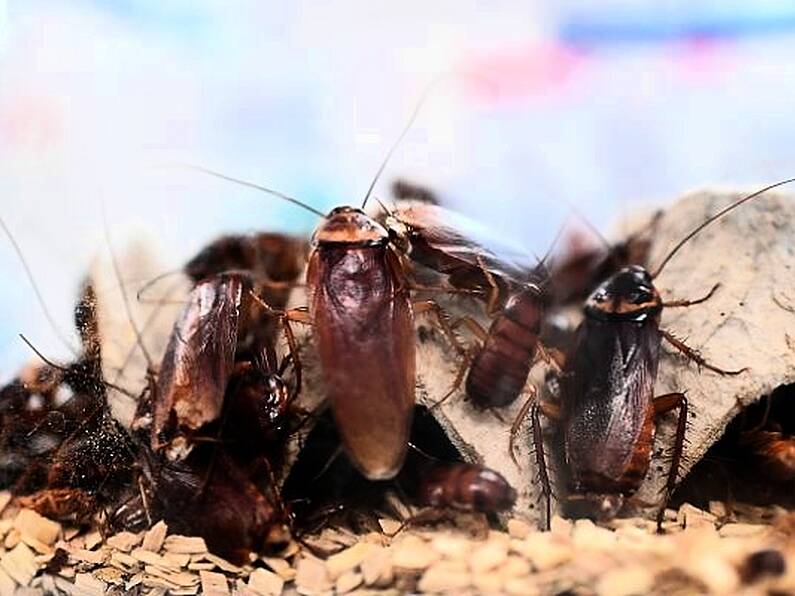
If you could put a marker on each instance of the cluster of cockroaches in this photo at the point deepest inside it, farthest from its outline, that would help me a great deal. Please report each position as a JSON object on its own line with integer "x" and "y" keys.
{"x": 208, "y": 440}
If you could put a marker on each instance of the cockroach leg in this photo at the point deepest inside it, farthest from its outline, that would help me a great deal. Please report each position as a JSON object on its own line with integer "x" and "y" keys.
{"x": 459, "y": 379}
{"x": 685, "y": 303}
{"x": 517, "y": 422}
{"x": 430, "y": 306}
{"x": 494, "y": 292}
{"x": 695, "y": 355}
{"x": 552, "y": 358}
{"x": 293, "y": 345}
{"x": 541, "y": 462}
{"x": 475, "y": 327}
{"x": 662, "y": 404}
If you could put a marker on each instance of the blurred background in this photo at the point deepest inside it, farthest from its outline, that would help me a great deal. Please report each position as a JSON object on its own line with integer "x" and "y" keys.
{"x": 601, "y": 104}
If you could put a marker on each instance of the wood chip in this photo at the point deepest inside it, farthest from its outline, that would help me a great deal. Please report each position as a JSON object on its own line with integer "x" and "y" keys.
{"x": 348, "y": 581}
{"x": 489, "y": 556}
{"x": 110, "y": 575}
{"x": 183, "y": 579}
{"x": 213, "y": 584}
{"x": 122, "y": 560}
{"x": 12, "y": 539}
{"x": 5, "y": 499}
{"x": 124, "y": 541}
{"x": 445, "y": 576}
{"x": 150, "y": 558}
{"x": 389, "y": 526}
{"x": 190, "y": 545}
{"x": 31, "y": 524}
{"x": 413, "y": 553}
{"x": 311, "y": 576}
{"x": 265, "y": 582}
{"x": 37, "y": 545}
{"x": 7, "y": 585}
{"x": 155, "y": 537}
{"x": 88, "y": 585}
{"x": 377, "y": 568}
{"x": 281, "y": 567}
{"x": 97, "y": 557}
{"x": 347, "y": 560}
{"x": 222, "y": 564}
{"x": 19, "y": 564}
{"x": 93, "y": 539}
{"x": 519, "y": 529}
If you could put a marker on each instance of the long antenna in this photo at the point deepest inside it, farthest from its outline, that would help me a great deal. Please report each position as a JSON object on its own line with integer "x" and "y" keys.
{"x": 39, "y": 296}
{"x": 421, "y": 102}
{"x": 717, "y": 216}
{"x": 125, "y": 298}
{"x": 270, "y": 191}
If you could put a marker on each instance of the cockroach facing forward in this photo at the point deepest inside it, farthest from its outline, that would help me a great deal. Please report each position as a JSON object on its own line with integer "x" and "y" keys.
{"x": 608, "y": 410}
{"x": 364, "y": 332}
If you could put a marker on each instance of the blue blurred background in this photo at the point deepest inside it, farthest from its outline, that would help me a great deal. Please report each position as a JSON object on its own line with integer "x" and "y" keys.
{"x": 603, "y": 104}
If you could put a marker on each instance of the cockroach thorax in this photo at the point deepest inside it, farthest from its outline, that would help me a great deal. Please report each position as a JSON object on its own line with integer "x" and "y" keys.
{"x": 350, "y": 225}
{"x": 629, "y": 294}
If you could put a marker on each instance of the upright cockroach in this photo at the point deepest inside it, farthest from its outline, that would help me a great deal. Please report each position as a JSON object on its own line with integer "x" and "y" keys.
{"x": 200, "y": 359}
{"x": 608, "y": 410}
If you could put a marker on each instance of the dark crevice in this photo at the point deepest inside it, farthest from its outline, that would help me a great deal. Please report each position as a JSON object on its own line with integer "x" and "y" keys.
{"x": 753, "y": 462}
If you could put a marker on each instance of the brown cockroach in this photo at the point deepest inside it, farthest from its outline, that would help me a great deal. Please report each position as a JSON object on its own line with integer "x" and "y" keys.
{"x": 773, "y": 452}
{"x": 200, "y": 358}
{"x": 363, "y": 321}
{"x": 464, "y": 487}
{"x": 608, "y": 410}
{"x": 497, "y": 369}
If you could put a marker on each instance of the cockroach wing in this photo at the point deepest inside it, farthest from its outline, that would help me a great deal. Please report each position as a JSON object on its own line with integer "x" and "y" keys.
{"x": 442, "y": 236}
{"x": 364, "y": 333}
{"x": 608, "y": 389}
{"x": 199, "y": 357}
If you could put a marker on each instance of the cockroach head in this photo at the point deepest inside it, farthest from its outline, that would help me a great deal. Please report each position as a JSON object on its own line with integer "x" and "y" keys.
{"x": 350, "y": 225}
{"x": 628, "y": 295}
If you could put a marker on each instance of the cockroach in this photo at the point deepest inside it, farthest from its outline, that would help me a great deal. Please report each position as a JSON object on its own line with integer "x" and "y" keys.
{"x": 362, "y": 315}
{"x": 200, "y": 358}
{"x": 575, "y": 273}
{"x": 773, "y": 452}
{"x": 465, "y": 487}
{"x": 608, "y": 411}
{"x": 498, "y": 368}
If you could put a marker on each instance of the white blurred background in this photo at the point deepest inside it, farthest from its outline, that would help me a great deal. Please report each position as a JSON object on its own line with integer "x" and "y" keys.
{"x": 603, "y": 104}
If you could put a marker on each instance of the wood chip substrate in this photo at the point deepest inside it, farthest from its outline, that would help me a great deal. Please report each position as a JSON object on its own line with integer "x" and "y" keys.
{"x": 719, "y": 551}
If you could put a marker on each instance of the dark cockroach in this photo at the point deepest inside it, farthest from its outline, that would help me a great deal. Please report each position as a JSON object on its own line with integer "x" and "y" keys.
{"x": 465, "y": 487}
{"x": 608, "y": 409}
{"x": 200, "y": 358}
{"x": 579, "y": 268}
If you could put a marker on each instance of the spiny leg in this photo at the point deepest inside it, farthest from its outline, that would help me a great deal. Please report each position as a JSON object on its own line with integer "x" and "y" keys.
{"x": 517, "y": 423}
{"x": 662, "y": 404}
{"x": 296, "y": 360}
{"x": 685, "y": 303}
{"x": 494, "y": 292}
{"x": 695, "y": 356}
{"x": 471, "y": 324}
{"x": 541, "y": 462}
{"x": 430, "y": 306}
{"x": 459, "y": 379}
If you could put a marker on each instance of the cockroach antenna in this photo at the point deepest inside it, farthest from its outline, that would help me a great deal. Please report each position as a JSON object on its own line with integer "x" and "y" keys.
{"x": 125, "y": 298}
{"x": 34, "y": 285}
{"x": 259, "y": 187}
{"x": 714, "y": 218}
{"x": 420, "y": 102}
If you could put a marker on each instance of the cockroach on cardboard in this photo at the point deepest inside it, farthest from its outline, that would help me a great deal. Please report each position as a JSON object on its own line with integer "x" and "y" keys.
{"x": 496, "y": 369}
{"x": 608, "y": 410}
